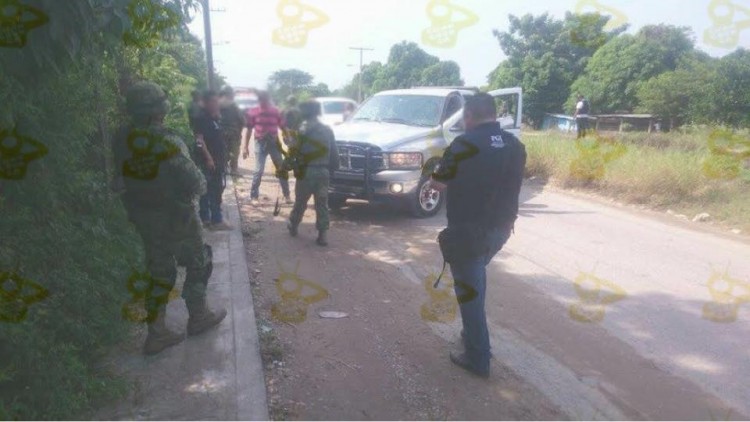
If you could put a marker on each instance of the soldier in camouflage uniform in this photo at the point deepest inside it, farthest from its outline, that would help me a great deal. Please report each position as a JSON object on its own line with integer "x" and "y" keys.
{"x": 313, "y": 157}
{"x": 232, "y": 121}
{"x": 292, "y": 120}
{"x": 159, "y": 185}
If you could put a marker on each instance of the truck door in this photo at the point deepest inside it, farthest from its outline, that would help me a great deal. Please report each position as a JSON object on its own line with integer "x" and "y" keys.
{"x": 509, "y": 103}
{"x": 509, "y": 107}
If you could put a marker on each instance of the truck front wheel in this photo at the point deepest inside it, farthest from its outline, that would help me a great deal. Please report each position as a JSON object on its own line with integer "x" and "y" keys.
{"x": 427, "y": 200}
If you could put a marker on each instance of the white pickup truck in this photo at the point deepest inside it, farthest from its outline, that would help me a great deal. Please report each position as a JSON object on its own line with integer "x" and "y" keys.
{"x": 389, "y": 147}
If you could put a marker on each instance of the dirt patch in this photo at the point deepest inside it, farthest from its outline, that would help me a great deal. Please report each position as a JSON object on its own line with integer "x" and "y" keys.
{"x": 382, "y": 361}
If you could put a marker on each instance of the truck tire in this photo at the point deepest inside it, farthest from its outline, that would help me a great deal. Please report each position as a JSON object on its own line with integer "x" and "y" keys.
{"x": 426, "y": 201}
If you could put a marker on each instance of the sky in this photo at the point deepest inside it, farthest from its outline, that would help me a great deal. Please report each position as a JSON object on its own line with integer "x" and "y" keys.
{"x": 253, "y": 38}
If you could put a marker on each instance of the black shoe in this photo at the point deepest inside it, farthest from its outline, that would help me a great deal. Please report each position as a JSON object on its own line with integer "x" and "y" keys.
{"x": 466, "y": 346}
{"x": 463, "y": 361}
{"x": 292, "y": 229}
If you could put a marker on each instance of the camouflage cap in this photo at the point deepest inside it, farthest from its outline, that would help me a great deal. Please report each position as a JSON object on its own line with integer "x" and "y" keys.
{"x": 227, "y": 91}
{"x": 146, "y": 98}
{"x": 309, "y": 109}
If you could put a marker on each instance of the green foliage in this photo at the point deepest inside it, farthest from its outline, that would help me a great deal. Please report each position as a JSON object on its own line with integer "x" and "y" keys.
{"x": 729, "y": 94}
{"x": 615, "y": 72}
{"x": 408, "y": 66}
{"x": 680, "y": 95}
{"x": 61, "y": 226}
{"x": 701, "y": 90}
{"x": 284, "y": 83}
{"x": 664, "y": 171}
{"x": 545, "y": 55}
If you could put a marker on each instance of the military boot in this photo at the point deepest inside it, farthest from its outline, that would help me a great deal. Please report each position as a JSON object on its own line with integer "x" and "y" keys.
{"x": 292, "y": 229}
{"x": 201, "y": 318}
{"x": 159, "y": 336}
{"x": 322, "y": 238}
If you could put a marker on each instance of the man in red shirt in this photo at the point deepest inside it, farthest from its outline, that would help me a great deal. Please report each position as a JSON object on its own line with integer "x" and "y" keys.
{"x": 266, "y": 120}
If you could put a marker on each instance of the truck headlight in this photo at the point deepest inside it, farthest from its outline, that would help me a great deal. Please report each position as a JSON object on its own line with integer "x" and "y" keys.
{"x": 403, "y": 160}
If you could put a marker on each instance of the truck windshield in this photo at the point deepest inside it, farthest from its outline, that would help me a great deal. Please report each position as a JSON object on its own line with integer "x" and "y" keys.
{"x": 333, "y": 107}
{"x": 412, "y": 110}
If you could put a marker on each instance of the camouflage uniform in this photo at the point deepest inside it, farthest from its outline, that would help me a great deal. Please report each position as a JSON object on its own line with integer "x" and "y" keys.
{"x": 316, "y": 156}
{"x": 292, "y": 121}
{"x": 160, "y": 185}
{"x": 232, "y": 121}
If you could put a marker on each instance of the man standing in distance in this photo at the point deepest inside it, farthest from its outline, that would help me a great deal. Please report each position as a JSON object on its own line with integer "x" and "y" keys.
{"x": 232, "y": 121}
{"x": 483, "y": 170}
{"x": 162, "y": 208}
{"x": 266, "y": 120}
{"x": 582, "y": 116}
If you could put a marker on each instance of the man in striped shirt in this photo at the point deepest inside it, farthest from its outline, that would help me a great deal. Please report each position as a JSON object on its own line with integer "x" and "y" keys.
{"x": 266, "y": 120}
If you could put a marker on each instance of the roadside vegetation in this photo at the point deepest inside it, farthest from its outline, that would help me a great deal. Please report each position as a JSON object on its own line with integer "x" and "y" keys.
{"x": 62, "y": 230}
{"x": 675, "y": 171}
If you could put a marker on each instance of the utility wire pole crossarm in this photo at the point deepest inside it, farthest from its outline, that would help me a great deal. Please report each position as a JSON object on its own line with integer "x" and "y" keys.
{"x": 359, "y": 89}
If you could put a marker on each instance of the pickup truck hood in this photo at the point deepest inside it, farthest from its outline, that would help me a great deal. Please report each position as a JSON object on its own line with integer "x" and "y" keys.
{"x": 385, "y": 135}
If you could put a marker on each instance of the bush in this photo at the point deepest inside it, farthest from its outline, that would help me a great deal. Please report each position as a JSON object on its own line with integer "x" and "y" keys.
{"x": 658, "y": 170}
{"x": 62, "y": 229}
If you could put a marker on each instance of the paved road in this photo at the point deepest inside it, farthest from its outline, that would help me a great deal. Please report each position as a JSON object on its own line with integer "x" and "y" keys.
{"x": 604, "y": 311}
{"x": 641, "y": 336}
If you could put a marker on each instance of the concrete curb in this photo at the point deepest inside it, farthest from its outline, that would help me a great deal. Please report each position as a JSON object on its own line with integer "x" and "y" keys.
{"x": 249, "y": 375}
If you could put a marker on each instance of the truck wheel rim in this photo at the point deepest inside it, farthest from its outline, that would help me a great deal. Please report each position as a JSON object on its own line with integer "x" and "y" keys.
{"x": 428, "y": 197}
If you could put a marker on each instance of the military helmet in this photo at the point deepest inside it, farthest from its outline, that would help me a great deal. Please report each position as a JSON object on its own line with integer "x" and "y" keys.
{"x": 309, "y": 109}
{"x": 146, "y": 98}
{"x": 227, "y": 91}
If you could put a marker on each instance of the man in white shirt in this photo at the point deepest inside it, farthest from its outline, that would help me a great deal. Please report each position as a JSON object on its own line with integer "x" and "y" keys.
{"x": 582, "y": 116}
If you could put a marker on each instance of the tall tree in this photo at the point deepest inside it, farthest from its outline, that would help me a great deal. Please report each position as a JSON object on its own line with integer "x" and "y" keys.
{"x": 545, "y": 55}
{"x": 283, "y": 83}
{"x": 444, "y": 73}
{"x": 681, "y": 96}
{"x": 408, "y": 66}
{"x": 616, "y": 71}
{"x": 730, "y": 90}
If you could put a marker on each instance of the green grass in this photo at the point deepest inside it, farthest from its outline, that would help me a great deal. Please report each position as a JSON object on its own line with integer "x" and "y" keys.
{"x": 661, "y": 171}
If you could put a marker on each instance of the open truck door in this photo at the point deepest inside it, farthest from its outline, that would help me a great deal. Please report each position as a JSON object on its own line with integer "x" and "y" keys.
{"x": 509, "y": 103}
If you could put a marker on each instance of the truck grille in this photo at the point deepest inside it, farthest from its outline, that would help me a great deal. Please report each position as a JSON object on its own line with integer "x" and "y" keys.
{"x": 353, "y": 156}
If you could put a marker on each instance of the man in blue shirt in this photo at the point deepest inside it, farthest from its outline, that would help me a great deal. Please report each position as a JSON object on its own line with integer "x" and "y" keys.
{"x": 482, "y": 171}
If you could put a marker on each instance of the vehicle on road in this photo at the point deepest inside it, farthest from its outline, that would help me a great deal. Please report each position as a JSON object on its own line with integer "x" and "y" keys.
{"x": 392, "y": 143}
{"x": 245, "y": 98}
{"x": 332, "y": 109}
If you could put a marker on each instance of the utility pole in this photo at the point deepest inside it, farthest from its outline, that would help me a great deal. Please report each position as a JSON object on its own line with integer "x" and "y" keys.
{"x": 209, "y": 43}
{"x": 359, "y": 89}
